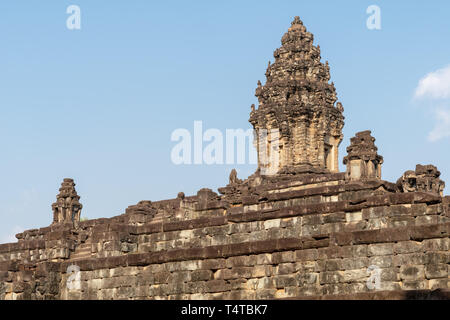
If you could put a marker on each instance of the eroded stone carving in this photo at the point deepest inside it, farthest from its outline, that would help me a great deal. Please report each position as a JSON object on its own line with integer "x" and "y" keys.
{"x": 233, "y": 177}
{"x": 425, "y": 179}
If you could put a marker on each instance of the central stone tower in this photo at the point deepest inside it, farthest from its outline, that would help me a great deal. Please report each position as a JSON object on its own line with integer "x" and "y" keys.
{"x": 298, "y": 119}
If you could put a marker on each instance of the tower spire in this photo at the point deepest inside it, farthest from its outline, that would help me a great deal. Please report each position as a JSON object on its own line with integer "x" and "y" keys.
{"x": 298, "y": 101}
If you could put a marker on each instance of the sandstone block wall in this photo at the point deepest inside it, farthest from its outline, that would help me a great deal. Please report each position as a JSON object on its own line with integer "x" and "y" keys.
{"x": 296, "y": 239}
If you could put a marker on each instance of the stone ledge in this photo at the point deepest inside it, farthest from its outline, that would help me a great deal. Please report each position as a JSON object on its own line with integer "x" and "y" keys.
{"x": 267, "y": 246}
{"x": 293, "y": 211}
{"x": 56, "y": 232}
{"x": 416, "y": 233}
{"x": 440, "y": 294}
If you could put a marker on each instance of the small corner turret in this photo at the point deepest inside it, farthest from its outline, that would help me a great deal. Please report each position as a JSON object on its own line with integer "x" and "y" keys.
{"x": 362, "y": 161}
{"x": 67, "y": 207}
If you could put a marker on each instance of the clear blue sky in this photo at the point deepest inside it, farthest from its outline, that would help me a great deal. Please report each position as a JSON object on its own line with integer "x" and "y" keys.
{"x": 99, "y": 104}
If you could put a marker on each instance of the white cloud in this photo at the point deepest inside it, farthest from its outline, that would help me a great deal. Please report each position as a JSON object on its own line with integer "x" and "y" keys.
{"x": 442, "y": 127}
{"x": 435, "y": 85}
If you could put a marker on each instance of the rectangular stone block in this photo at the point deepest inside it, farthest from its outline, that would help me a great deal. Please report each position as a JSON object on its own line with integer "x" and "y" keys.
{"x": 343, "y": 288}
{"x": 354, "y": 251}
{"x": 390, "y": 286}
{"x": 408, "y": 247}
{"x": 377, "y": 223}
{"x": 265, "y": 258}
{"x": 330, "y": 252}
{"x": 265, "y": 294}
{"x": 358, "y": 275}
{"x": 307, "y": 278}
{"x": 381, "y": 249}
{"x": 435, "y": 284}
{"x": 433, "y": 271}
{"x": 217, "y": 286}
{"x": 306, "y": 255}
{"x": 420, "y": 233}
{"x": 390, "y": 275}
{"x": 334, "y": 217}
{"x": 261, "y": 283}
{"x": 201, "y": 275}
{"x": 412, "y": 272}
{"x": 434, "y": 209}
{"x": 353, "y": 216}
{"x": 282, "y": 257}
{"x": 330, "y": 277}
{"x": 274, "y": 223}
{"x": 198, "y": 287}
{"x": 308, "y": 266}
{"x": 283, "y": 268}
{"x": 179, "y": 276}
{"x": 239, "y": 261}
{"x": 409, "y": 259}
{"x": 354, "y": 263}
{"x": 240, "y": 295}
{"x": 161, "y": 277}
{"x": 415, "y": 285}
{"x": 374, "y": 212}
{"x": 419, "y": 209}
{"x": 424, "y": 220}
{"x": 212, "y": 264}
{"x": 262, "y": 271}
{"x": 333, "y": 264}
{"x": 437, "y": 257}
{"x": 442, "y": 244}
{"x": 400, "y": 221}
{"x": 309, "y": 290}
{"x": 283, "y": 281}
{"x": 400, "y": 210}
{"x": 382, "y": 261}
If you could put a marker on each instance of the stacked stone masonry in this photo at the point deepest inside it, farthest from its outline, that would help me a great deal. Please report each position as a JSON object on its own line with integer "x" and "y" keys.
{"x": 305, "y": 232}
{"x": 299, "y": 241}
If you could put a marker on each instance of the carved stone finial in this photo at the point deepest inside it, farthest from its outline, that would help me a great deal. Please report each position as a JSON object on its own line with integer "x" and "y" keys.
{"x": 259, "y": 83}
{"x": 67, "y": 207}
{"x": 297, "y": 21}
{"x": 339, "y": 107}
{"x": 252, "y": 107}
{"x": 181, "y": 195}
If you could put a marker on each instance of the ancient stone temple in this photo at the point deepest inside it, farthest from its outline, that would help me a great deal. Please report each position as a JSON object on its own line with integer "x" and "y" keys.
{"x": 297, "y": 228}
